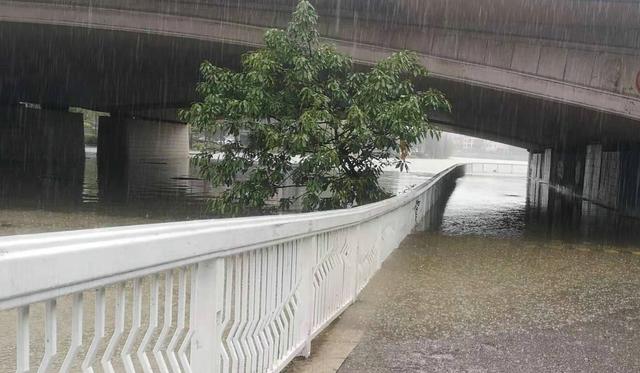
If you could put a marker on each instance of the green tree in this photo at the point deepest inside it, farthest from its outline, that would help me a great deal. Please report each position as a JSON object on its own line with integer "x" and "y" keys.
{"x": 302, "y": 117}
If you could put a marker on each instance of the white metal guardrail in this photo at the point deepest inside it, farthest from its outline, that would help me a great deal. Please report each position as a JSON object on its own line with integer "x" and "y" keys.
{"x": 230, "y": 295}
{"x": 497, "y": 169}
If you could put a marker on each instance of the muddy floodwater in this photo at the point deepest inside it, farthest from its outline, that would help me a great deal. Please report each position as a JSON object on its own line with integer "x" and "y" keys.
{"x": 461, "y": 303}
{"x": 508, "y": 207}
{"x": 147, "y": 193}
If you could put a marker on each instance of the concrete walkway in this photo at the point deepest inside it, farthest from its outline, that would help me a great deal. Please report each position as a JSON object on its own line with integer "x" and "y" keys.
{"x": 477, "y": 304}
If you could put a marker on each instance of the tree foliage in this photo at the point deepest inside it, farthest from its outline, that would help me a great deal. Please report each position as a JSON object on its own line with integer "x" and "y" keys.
{"x": 302, "y": 117}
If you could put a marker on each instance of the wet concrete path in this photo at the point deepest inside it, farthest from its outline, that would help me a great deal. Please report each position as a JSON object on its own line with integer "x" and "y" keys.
{"x": 490, "y": 302}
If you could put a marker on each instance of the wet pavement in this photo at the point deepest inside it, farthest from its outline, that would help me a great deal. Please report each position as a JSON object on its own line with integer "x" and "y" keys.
{"x": 489, "y": 293}
{"x": 471, "y": 304}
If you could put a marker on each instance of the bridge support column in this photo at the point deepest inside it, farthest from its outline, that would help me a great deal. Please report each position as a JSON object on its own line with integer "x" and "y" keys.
{"x": 563, "y": 169}
{"x": 629, "y": 185}
{"x": 602, "y": 176}
{"x": 567, "y": 170}
{"x": 540, "y": 165}
{"x": 141, "y": 140}
{"x": 612, "y": 177}
{"x": 606, "y": 176}
{"x": 41, "y": 156}
{"x": 42, "y": 140}
{"x": 539, "y": 175}
{"x": 135, "y": 153}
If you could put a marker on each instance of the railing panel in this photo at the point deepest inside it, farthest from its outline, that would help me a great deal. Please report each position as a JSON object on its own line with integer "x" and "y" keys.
{"x": 261, "y": 312}
{"x": 369, "y": 243}
{"x": 334, "y": 275}
{"x": 125, "y": 327}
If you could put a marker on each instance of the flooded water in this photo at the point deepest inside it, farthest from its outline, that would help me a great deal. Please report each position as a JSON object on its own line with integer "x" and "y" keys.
{"x": 517, "y": 278}
{"x": 467, "y": 303}
{"x": 509, "y": 207}
{"x": 146, "y": 193}
{"x": 487, "y": 205}
{"x": 141, "y": 193}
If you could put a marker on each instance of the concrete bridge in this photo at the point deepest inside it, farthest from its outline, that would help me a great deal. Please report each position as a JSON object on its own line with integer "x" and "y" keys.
{"x": 560, "y": 78}
{"x": 555, "y": 77}
{"x": 500, "y": 65}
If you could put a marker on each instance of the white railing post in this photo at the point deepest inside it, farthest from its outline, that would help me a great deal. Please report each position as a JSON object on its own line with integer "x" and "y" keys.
{"x": 23, "y": 342}
{"x": 206, "y": 342}
{"x": 356, "y": 258}
{"x": 307, "y": 293}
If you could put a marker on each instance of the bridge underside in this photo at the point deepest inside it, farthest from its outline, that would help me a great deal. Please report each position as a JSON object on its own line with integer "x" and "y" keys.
{"x": 115, "y": 71}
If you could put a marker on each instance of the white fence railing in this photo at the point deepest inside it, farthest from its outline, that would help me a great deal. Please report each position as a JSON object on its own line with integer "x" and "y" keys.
{"x": 231, "y": 295}
{"x": 497, "y": 169}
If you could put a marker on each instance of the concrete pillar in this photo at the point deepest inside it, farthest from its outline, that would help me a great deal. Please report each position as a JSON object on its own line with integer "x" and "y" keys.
{"x": 609, "y": 179}
{"x": 606, "y": 178}
{"x": 592, "y": 165}
{"x": 546, "y": 166}
{"x": 629, "y": 186}
{"x": 134, "y": 154}
{"x": 602, "y": 179}
{"x": 141, "y": 140}
{"x": 539, "y": 165}
{"x": 538, "y": 182}
{"x": 567, "y": 170}
{"x": 42, "y": 139}
{"x": 534, "y": 166}
{"x": 538, "y": 195}
{"x": 41, "y": 155}
{"x": 551, "y": 172}
{"x": 612, "y": 177}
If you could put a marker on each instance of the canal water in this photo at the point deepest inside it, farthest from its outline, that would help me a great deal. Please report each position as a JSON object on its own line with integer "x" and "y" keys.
{"x": 143, "y": 193}
{"x": 497, "y": 206}
{"x": 509, "y": 207}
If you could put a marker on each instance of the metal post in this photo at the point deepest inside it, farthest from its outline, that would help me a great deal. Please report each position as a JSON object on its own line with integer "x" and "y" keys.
{"x": 307, "y": 293}
{"x": 206, "y": 343}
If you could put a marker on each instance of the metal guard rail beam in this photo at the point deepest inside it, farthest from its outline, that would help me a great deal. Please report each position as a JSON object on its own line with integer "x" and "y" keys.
{"x": 243, "y": 294}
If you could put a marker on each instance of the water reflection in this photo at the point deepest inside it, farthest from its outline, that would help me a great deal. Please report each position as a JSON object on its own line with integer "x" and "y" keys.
{"x": 488, "y": 206}
{"x": 510, "y": 207}
{"x": 148, "y": 192}
{"x": 161, "y": 180}
{"x": 26, "y": 186}
{"x": 136, "y": 192}
{"x": 555, "y": 215}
